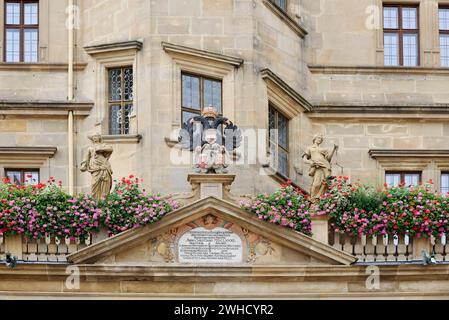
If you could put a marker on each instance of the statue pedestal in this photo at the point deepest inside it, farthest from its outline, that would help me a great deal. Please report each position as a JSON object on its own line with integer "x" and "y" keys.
{"x": 320, "y": 228}
{"x": 211, "y": 185}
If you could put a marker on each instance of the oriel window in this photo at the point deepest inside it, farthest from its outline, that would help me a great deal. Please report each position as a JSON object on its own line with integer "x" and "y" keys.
{"x": 444, "y": 35}
{"x": 21, "y": 31}
{"x": 401, "y": 35}
{"x": 279, "y": 142}
{"x": 199, "y": 93}
{"x": 121, "y": 83}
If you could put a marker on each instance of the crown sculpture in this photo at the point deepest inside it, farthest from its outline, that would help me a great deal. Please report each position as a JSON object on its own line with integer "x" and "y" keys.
{"x": 211, "y": 138}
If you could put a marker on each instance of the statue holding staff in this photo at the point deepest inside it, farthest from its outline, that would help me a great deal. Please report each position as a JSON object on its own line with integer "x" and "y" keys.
{"x": 320, "y": 166}
{"x": 96, "y": 162}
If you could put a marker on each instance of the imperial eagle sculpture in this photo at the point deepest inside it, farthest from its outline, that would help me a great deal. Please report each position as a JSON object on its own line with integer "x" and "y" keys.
{"x": 211, "y": 138}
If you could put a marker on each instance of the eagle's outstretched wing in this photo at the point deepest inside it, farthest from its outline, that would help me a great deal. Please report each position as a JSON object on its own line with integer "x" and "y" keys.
{"x": 232, "y": 137}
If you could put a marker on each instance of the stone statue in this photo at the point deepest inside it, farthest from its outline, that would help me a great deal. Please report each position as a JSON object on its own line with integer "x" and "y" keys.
{"x": 320, "y": 166}
{"x": 96, "y": 162}
{"x": 204, "y": 135}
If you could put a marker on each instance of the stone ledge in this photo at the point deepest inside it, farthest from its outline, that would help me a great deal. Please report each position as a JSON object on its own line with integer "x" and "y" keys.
{"x": 174, "y": 48}
{"x": 42, "y": 108}
{"x": 113, "y": 47}
{"x": 375, "y": 70}
{"x": 270, "y": 76}
{"x": 116, "y": 139}
{"x": 40, "y": 67}
{"x": 38, "y": 152}
{"x": 292, "y": 24}
{"x": 408, "y": 153}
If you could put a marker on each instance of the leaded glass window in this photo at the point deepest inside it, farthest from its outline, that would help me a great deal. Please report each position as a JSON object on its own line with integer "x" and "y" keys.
{"x": 444, "y": 36}
{"x": 21, "y": 31}
{"x": 409, "y": 179}
{"x": 199, "y": 93}
{"x": 121, "y": 84}
{"x": 401, "y": 35}
{"x": 278, "y": 141}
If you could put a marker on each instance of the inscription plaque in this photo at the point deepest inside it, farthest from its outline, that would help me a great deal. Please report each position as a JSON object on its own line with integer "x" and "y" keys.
{"x": 215, "y": 246}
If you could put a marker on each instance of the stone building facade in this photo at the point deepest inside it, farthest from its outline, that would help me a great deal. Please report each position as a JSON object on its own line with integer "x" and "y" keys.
{"x": 369, "y": 75}
{"x": 322, "y": 74}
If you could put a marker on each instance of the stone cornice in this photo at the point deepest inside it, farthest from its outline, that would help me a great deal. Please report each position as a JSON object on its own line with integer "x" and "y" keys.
{"x": 174, "y": 48}
{"x": 40, "y": 67}
{"x": 39, "y": 152}
{"x": 433, "y": 111}
{"x": 270, "y": 76}
{"x": 292, "y": 24}
{"x": 114, "y": 47}
{"x": 408, "y": 153}
{"x": 42, "y": 108}
{"x": 376, "y": 70}
{"x": 122, "y": 139}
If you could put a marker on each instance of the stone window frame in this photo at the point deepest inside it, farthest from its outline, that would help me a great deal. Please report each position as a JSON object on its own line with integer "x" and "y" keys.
{"x": 279, "y": 111}
{"x": 430, "y": 162}
{"x": 202, "y": 63}
{"x": 44, "y": 30}
{"x": 109, "y": 56}
{"x": 429, "y": 49}
{"x": 293, "y": 106}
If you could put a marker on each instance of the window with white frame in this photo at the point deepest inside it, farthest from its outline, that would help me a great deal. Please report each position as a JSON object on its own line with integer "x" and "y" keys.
{"x": 443, "y": 15}
{"x": 409, "y": 179}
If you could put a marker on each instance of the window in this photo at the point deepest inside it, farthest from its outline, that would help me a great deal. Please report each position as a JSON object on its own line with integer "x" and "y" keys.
{"x": 282, "y": 4}
{"x": 23, "y": 176}
{"x": 120, "y": 102}
{"x": 401, "y": 35}
{"x": 445, "y": 183}
{"x": 444, "y": 36}
{"x": 393, "y": 179}
{"x": 278, "y": 142}
{"x": 199, "y": 93}
{"x": 21, "y": 31}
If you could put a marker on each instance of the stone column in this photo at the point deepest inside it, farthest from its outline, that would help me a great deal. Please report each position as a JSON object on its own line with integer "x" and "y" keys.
{"x": 13, "y": 245}
{"x": 320, "y": 228}
{"x": 211, "y": 185}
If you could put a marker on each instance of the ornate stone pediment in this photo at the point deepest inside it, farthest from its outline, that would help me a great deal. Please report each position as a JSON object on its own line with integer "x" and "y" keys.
{"x": 211, "y": 232}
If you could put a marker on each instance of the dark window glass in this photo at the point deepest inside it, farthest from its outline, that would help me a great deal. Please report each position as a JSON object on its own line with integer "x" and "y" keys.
{"x": 282, "y": 4}
{"x": 401, "y": 35}
{"x": 121, "y": 97}
{"x": 278, "y": 141}
{"x": 21, "y": 31}
{"x": 199, "y": 93}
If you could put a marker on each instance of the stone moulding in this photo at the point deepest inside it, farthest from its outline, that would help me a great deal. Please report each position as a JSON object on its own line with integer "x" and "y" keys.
{"x": 376, "y": 70}
{"x": 41, "y": 108}
{"x": 174, "y": 48}
{"x": 38, "y": 152}
{"x": 292, "y": 24}
{"x": 431, "y": 111}
{"x": 270, "y": 76}
{"x": 133, "y": 138}
{"x": 40, "y": 67}
{"x": 408, "y": 153}
{"x": 113, "y": 47}
{"x": 319, "y": 282}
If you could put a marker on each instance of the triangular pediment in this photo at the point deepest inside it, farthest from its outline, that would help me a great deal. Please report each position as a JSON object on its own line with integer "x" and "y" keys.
{"x": 208, "y": 232}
